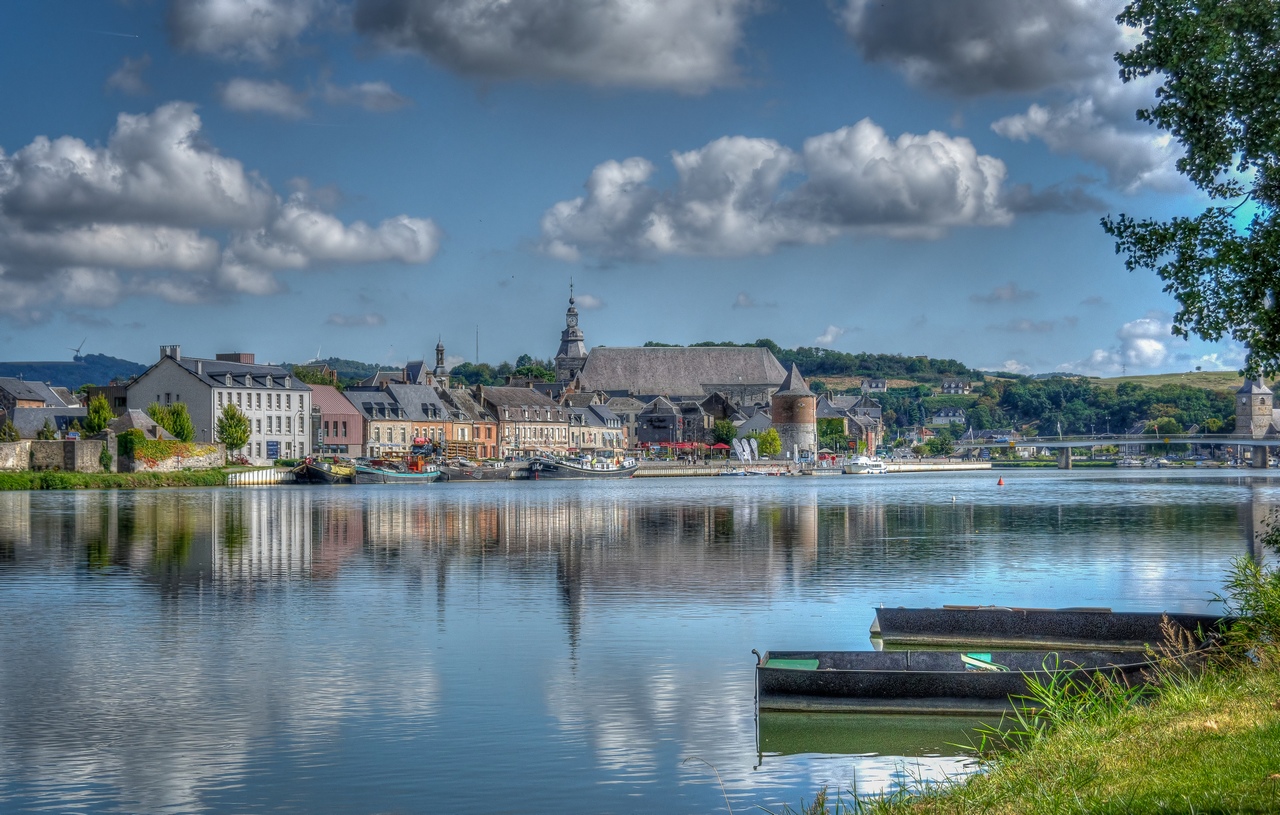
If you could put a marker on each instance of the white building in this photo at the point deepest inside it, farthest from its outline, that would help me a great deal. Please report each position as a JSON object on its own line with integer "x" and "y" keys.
{"x": 277, "y": 405}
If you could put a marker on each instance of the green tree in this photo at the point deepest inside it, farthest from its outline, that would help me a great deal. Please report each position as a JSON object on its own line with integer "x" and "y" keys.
{"x": 173, "y": 418}
{"x": 46, "y": 433}
{"x": 100, "y": 415}
{"x": 768, "y": 442}
{"x": 831, "y": 434}
{"x": 534, "y": 372}
{"x": 723, "y": 432}
{"x": 940, "y": 445}
{"x": 1218, "y": 98}
{"x": 232, "y": 428}
{"x": 8, "y": 432}
{"x": 312, "y": 376}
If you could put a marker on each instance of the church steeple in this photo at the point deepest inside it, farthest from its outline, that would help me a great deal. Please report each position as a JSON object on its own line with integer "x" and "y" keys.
{"x": 573, "y": 350}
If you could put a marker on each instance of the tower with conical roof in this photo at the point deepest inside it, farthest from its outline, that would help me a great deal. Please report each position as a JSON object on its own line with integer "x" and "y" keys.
{"x": 794, "y": 412}
{"x": 573, "y": 350}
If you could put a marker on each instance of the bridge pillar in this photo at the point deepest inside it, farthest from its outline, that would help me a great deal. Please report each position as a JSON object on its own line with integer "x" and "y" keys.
{"x": 1259, "y": 457}
{"x": 1064, "y": 458}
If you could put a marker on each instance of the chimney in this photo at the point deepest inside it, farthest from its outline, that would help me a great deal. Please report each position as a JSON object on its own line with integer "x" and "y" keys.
{"x": 174, "y": 352}
{"x": 244, "y": 359}
{"x": 199, "y": 367}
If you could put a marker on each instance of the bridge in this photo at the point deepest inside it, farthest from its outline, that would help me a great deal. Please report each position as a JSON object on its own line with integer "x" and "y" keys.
{"x": 1064, "y": 444}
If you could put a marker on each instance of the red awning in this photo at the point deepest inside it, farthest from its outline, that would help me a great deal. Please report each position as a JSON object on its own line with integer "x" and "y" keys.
{"x": 719, "y": 446}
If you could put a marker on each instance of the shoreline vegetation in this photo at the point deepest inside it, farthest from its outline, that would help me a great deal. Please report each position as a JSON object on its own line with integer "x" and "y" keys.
{"x": 59, "y": 480}
{"x": 1204, "y": 738}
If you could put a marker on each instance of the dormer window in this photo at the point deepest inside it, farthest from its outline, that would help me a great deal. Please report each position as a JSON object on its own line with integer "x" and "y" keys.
{"x": 267, "y": 380}
{"x": 287, "y": 380}
{"x": 229, "y": 381}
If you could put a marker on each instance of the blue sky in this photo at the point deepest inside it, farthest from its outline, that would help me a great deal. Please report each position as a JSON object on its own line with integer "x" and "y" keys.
{"x": 361, "y": 177}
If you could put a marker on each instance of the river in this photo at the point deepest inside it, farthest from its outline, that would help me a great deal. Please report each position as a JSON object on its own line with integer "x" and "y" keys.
{"x": 542, "y": 647}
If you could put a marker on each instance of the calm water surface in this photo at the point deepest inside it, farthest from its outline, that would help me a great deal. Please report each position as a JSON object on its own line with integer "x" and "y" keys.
{"x": 541, "y": 647}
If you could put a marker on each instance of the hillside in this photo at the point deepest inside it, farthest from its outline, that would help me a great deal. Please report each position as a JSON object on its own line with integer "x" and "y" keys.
{"x": 90, "y": 369}
{"x": 1210, "y": 380}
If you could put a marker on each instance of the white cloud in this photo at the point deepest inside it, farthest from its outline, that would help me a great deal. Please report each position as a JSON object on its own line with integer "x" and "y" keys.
{"x": 685, "y": 45}
{"x": 377, "y": 97}
{"x": 128, "y": 77}
{"x": 367, "y": 320}
{"x": 86, "y": 226}
{"x": 829, "y": 336}
{"x": 744, "y": 300}
{"x": 732, "y": 196}
{"x": 1013, "y": 366}
{"x": 588, "y": 302}
{"x": 257, "y": 96}
{"x": 1099, "y": 126}
{"x": 1008, "y": 293}
{"x": 1143, "y": 345}
{"x": 252, "y": 30}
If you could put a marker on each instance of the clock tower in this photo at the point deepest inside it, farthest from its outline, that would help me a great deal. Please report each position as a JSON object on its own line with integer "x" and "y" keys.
{"x": 573, "y": 351}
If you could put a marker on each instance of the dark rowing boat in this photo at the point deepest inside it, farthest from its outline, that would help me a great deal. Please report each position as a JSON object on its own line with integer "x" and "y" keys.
{"x": 996, "y": 627}
{"x": 924, "y": 682}
{"x": 319, "y": 471}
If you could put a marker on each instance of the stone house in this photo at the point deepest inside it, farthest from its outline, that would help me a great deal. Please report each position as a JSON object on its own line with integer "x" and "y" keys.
{"x": 948, "y": 416}
{"x": 475, "y": 433}
{"x": 597, "y": 430}
{"x": 873, "y": 385}
{"x": 277, "y": 405}
{"x": 954, "y": 386}
{"x": 529, "y": 421}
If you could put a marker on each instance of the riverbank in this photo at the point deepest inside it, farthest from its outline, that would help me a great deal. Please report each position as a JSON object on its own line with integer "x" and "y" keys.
{"x": 56, "y": 480}
{"x": 1204, "y": 744}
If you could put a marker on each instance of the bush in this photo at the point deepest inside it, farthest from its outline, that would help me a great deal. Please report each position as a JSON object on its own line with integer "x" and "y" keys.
{"x": 104, "y": 458}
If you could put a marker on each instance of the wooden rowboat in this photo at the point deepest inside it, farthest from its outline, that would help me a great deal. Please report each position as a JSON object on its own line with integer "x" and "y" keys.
{"x": 997, "y": 627}
{"x": 924, "y": 682}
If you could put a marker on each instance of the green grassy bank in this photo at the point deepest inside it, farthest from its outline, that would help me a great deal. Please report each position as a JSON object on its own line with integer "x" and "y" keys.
{"x": 1205, "y": 738}
{"x": 51, "y": 480}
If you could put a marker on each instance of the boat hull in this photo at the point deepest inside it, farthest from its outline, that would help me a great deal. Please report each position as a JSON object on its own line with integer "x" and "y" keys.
{"x": 377, "y": 475}
{"x": 546, "y": 469}
{"x": 450, "y": 473}
{"x": 925, "y": 682}
{"x": 1030, "y": 628}
{"x": 318, "y": 473}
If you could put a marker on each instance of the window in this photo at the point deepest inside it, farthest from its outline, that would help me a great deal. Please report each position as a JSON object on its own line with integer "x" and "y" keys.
{"x": 166, "y": 399}
{"x": 403, "y": 431}
{"x": 259, "y": 425}
{"x": 377, "y": 434}
{"x": 259, "y": 401}
{"x": 237, "y": 398}
{"x": 259, "y": 451}
{"x": 344, "y": 430}
{"x": 326, "y": 430}
{"x": 277, "y": 424}
{"x": 219, "y": 400}
{"x": 288, "y": 401}
{"x": 288, "y": 424}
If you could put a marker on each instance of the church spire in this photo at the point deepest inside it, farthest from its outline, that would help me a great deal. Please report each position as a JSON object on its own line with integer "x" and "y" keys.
{"x": 573, "y": 350}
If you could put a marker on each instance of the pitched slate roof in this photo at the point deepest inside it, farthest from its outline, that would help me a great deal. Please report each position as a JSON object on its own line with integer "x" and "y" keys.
{"x": 30, "y": 391}
{"x": 213, "y": 372}
{"x": 1255, "y": 387}
{"x": 29, "y": 421}
{"x": 679, "y": 371}
{"x": 502, "y": 396}
{"x": 758, "y": 423}
{"x": 420, "y": 403}
{"x": 465, "y": 407}
{"x": 138, "y": 420}
{"x": 794, "y": 384}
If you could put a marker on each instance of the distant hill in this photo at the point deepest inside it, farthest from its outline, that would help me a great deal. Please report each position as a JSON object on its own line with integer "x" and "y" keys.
{"x": 1210, "y": 380}
{"x": 90, "y": 369}
{"x": 349, "y": 370}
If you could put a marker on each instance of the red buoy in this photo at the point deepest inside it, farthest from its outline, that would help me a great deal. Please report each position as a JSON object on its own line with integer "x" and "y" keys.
{"x": 1000, "y": 482}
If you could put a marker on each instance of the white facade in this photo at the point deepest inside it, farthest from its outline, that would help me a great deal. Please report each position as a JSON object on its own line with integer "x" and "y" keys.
{"x": 277, "y": 406}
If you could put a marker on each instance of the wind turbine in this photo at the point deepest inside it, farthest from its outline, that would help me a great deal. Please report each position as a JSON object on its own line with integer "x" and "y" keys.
{"x": 75, "y": 352}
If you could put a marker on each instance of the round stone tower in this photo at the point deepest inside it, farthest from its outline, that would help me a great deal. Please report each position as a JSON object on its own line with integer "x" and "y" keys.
{"x": 1254, "y": 402}
{"x": 794, "y": 410}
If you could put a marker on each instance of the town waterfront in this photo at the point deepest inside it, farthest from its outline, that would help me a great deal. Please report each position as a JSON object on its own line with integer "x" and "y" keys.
{"x": 533, "y": 647}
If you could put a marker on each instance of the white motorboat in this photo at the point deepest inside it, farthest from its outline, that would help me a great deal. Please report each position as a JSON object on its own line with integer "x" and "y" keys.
{"x": 865, "y": 465}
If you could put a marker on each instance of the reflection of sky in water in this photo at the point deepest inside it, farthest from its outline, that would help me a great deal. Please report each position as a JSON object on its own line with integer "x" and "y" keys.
{"x": 553, "y": 647}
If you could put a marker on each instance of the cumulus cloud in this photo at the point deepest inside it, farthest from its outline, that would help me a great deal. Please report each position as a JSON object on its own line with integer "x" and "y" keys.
{"x": 987, "y": 46}
{"x": 258, "y": 96}
{"x": 830, "y": 336}
{"x": 84, "y": 225}
{"x": 588, "y": 302}
{"x": 1142, "y": 344}
{"x": 685, "y": 45}
{"x": 1099, "y": 127}
{"x": 1013, "y": 366}
{"x": 734, "y": 196}
{"x": 243, "y": 30}
{"x": 367, "y": 320}
{"x": 128, "y": 77}
{"x": 377, "y": 97}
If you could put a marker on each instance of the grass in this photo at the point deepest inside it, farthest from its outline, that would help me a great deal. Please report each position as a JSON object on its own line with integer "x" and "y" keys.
{"x": 1204, "y": 738}
{"x": 1211, "y": 380}
{"x": 54, "y": 480}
